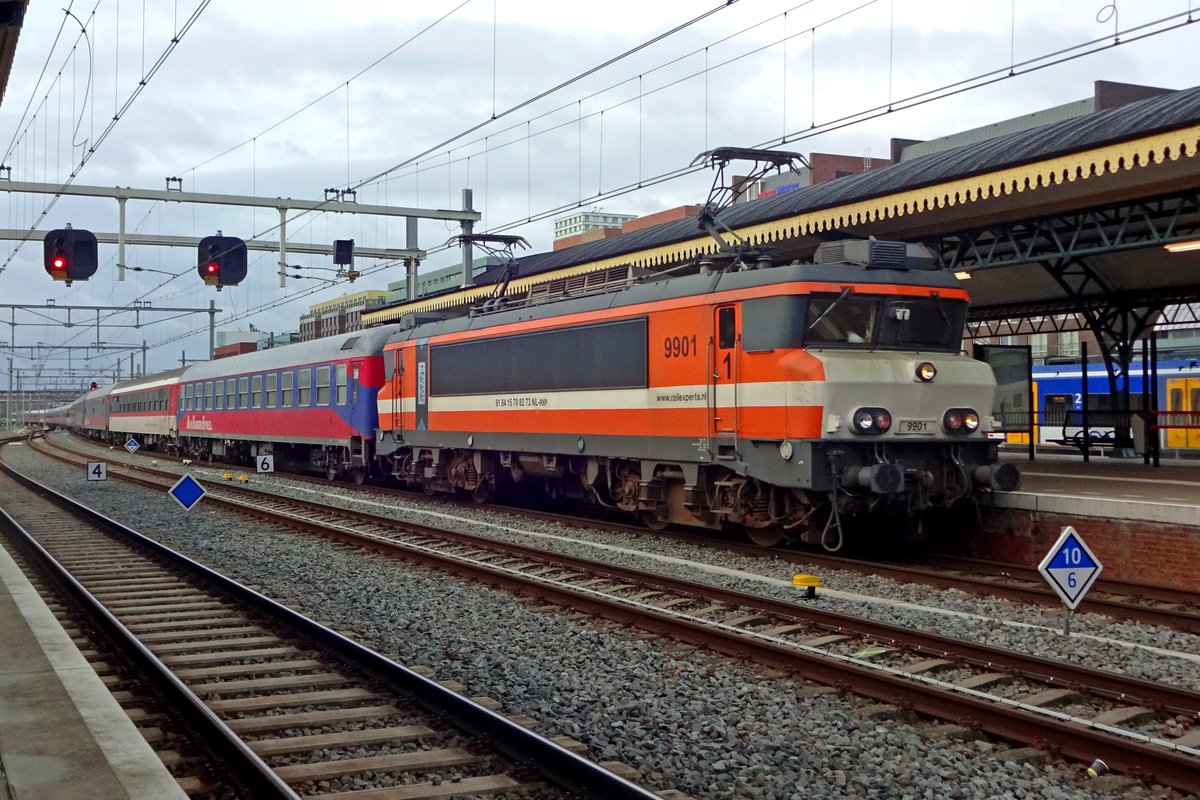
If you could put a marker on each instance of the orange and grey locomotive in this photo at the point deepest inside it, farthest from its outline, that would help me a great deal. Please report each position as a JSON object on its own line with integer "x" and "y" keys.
{"x": 787, "y": 400}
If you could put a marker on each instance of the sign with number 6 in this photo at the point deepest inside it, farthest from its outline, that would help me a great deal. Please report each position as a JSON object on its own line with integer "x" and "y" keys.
{"x": 266, "y": 463}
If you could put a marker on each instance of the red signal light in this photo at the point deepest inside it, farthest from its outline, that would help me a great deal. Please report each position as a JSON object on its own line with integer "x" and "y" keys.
{"x": 211, "y": 268}
{"x": 59, "y": 262}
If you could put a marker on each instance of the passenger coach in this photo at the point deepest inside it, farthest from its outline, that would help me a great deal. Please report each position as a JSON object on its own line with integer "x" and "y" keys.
{"x": 144, "y": 408}
{"x": 312, "y": 405}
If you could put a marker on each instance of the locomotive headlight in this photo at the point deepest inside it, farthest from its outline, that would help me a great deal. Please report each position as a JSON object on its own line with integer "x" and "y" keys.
{"x": 926, "y": 372}
{"x": 961, "y": 420}
{"x": 872, "y": 420}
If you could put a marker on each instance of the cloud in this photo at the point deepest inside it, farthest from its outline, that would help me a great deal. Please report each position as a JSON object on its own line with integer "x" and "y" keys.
{"x": 243, "y": 68}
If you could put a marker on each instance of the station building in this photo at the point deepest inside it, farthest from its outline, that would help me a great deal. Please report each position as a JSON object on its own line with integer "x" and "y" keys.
{"x": 340, "y": 315}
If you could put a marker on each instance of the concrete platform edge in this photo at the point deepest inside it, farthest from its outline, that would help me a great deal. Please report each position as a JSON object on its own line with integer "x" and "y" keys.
{"x": 131, "y": 758}
{"x": 1100, "y": 507}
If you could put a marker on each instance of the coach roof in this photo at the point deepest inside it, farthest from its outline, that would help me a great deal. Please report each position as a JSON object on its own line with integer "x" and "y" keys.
{"x": 330, "y": 348}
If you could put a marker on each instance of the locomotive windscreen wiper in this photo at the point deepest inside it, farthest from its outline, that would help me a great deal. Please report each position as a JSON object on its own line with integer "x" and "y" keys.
{"x": 937, "y": 301}
{"x": 832, "y": 305}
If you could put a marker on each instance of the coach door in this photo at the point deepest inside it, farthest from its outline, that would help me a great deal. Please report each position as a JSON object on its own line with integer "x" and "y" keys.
{"x": 724, "y": 371}
{"x": 395, "y": 369}
{"x": 1183, "y": 400}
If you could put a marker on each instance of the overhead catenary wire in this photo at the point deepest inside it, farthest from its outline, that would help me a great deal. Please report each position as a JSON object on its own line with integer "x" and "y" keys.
{"x": 332, "y": 91}
{"x": 33, "y": 93}
{"x": 983, "y": 79}
{"x": 1145, "y": 31}
{"x": 95, "y": 145}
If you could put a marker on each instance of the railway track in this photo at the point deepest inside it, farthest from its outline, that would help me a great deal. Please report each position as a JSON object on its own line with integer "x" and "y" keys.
{"x": 1155, "y": 605}
{"x": 1137, "y": 727}
{"x": 286, "y": 704}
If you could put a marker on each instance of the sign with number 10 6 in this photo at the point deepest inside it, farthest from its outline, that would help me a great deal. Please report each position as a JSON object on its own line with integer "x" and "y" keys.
{"x": 1070, "y": 568}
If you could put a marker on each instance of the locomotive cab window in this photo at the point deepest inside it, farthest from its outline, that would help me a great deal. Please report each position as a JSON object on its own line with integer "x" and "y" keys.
{"x": 843, "y": 319}
{"x": 770, "y": 323}
{"x": 726, "y": 327}
{"x": 924, "y": 323}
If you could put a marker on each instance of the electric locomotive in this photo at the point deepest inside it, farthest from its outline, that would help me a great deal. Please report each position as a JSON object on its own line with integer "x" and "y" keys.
{"x": 785, "y": 400}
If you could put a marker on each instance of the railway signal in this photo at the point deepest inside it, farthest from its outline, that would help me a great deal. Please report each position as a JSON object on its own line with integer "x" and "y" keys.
{"x": 221, "y": 260}
{"x": 70, "y": 254}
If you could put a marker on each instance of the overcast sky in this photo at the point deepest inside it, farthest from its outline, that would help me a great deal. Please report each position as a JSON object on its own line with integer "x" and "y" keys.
{"x": 747, "y": 75}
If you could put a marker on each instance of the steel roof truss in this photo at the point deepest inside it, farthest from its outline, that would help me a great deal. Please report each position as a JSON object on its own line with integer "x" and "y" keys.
{"x": 1128, "y": 226}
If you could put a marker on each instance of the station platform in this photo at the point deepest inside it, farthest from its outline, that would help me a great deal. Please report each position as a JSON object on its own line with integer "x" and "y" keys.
{"x": 1142, "y": 522}
{"x": 1116, "y": 488}
{"x": 62, "y": 735}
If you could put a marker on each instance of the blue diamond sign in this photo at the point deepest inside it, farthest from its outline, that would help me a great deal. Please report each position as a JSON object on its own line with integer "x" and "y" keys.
{"x": 187, "y": 492}
{"x": 132, "y": 445}
{"x": 1070, "y": 568}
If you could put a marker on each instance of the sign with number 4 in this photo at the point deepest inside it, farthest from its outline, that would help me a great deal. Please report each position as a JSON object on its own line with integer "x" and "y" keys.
{"x": 97, "y": 471}
{"x": 266, "y": 463}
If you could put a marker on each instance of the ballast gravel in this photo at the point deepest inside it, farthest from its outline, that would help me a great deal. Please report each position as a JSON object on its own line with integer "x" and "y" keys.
{"x": 687, "y": 719}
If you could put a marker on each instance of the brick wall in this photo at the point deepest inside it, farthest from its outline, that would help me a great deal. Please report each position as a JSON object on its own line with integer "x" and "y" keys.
{"x": 825, "y": 166}
{"x": 658, "y": 218}
{"x": 1130, "y": 550}
{"x": 593, "y": 235}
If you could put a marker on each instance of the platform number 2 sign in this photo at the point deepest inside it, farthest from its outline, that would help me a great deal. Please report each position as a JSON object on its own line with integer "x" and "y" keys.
{"x": 266, "y": 463}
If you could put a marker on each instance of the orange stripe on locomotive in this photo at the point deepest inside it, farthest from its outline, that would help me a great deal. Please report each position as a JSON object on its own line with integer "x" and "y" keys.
{"x": 668, "y": 321}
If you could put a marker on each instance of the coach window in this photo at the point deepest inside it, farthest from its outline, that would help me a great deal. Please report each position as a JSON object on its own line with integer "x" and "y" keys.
{"x": 272, "y": 385}
{"x": 285, "y": 395}
{"x": 322, "y": 386}
{"x": 256, "y": 391}
{"x": 341, "y": 385}
{"x": 726, "y": 327}
{"x": 189, "y": 405}
{"x": 220, "y": 392}
{"x": 209, "y": 405}
{"x": 304, "y": 378}
{"x": 243, "y": 393}
{"x": 231, "y": 393}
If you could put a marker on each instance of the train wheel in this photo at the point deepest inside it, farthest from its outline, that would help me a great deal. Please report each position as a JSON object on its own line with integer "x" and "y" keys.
{"x": 330, "y": 472}
{"x": 767, "y": 537}
{"x": 360, "y": 475}
{"x": 652, "y": 520}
